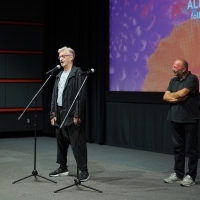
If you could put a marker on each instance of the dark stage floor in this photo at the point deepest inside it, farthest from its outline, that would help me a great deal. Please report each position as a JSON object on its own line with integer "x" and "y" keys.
{"x": 120, "y": 173}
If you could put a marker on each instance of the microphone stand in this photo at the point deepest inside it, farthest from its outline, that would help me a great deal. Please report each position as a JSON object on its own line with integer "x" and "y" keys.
{"x": 34, "y": 172}
{"x": 77, "y": 181}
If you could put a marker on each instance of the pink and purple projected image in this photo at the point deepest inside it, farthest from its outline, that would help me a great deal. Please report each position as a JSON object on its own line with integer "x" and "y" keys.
{"x": 146, "y": 37}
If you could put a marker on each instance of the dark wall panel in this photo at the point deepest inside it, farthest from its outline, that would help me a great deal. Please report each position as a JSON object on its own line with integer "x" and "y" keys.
{"x": 118, "y": 124}
{"x": 136, "y": 97}
{"x": 17, "y": 95}
{"x": 9, "y": 121}
{"x": 22, "y": 10}
{"x": 21, "y": 37}
{"x": 2, "y": 36}
{"x": 139, "y": 126}
{"x": 2, "y": 65}
{"x": 36, "y": 66}
{"x": 20, "y": 95}
{"x": 21, "y": 61}
{"x": 17, "y": 37}
{"x": 36, "y": 38}
{"x": 33, "y": 90}
{"x": 17, "y": 66}
{"x": 149, "y": 128}
{"x": 23, "y": 66}
{"x": 2, "y": 95}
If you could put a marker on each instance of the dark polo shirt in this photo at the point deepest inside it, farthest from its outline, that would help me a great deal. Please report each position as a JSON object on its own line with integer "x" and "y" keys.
{"x": 186, "y": 111}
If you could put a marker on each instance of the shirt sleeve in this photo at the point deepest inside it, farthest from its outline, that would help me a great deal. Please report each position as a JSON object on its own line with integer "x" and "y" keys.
{"x": 169, "y": 88}
{"x": 192, "y": 83}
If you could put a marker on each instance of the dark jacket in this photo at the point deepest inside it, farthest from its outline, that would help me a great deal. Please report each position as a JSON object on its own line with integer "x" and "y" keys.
{"x": 70, "y": 96}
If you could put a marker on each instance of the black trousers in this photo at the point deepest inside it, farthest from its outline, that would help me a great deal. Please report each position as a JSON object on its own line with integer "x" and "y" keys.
{"x": 185, "y": 139}
{"x": 71, "y": 135}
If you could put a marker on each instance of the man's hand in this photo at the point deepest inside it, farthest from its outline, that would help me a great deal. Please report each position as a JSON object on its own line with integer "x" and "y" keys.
{"x": 53, "y": 120}
{"x": 77, "y": 120}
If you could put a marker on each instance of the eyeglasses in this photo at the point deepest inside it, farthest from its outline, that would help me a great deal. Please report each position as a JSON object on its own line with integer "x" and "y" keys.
{"x": 63, "y": 56}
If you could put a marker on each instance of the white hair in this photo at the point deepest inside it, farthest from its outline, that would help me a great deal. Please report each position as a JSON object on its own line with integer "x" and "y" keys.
{"x": 70, "y": 50}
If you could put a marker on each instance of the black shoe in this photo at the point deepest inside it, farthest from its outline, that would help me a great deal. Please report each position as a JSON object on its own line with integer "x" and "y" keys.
{"x": 84, "y": 176}
{"x": 60, "y": 172}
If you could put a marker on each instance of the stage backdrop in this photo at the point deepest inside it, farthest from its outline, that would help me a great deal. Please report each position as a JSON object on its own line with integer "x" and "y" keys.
{"x": 146, "y": 36}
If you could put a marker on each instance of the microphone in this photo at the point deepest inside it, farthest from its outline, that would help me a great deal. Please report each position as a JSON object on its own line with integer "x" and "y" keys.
{"x": 87, "y": 72}
{"x": 54, "y": 69}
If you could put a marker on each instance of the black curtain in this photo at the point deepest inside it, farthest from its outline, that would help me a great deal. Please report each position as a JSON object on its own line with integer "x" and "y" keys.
{"x": 83, "y": 26}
